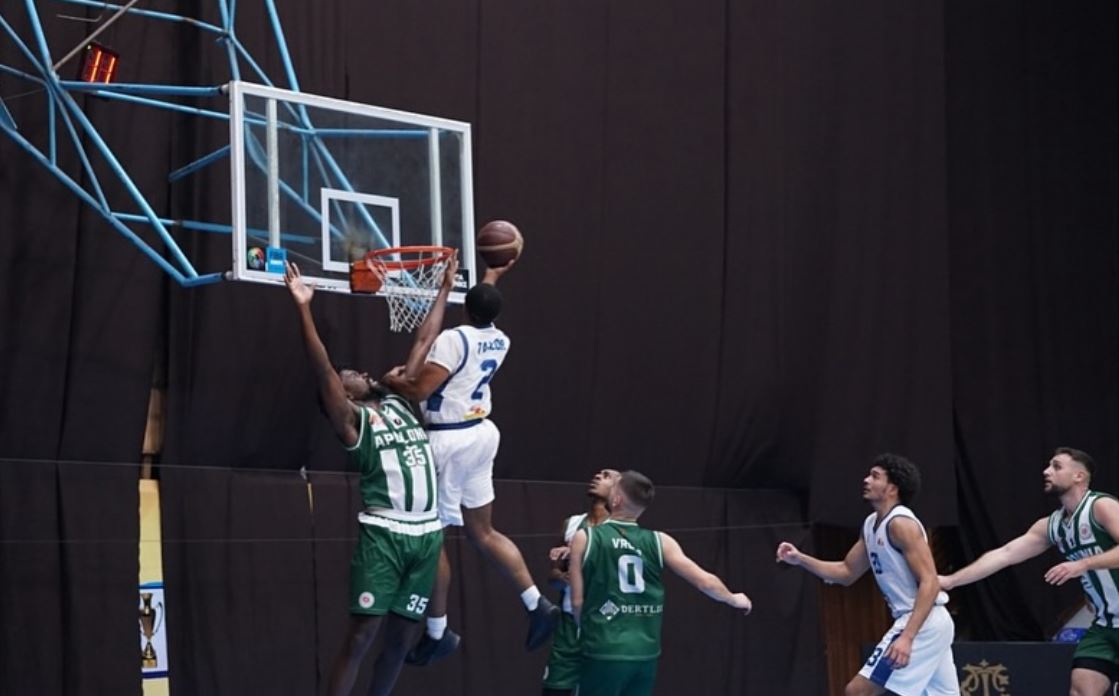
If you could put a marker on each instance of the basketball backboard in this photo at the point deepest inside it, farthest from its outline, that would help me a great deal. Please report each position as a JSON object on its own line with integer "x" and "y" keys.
{"x": 322, "y": 181}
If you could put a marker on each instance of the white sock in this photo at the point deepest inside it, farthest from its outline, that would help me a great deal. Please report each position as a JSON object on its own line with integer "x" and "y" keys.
{"x": 531, "y": 597}
{"x": 436, "y": 626}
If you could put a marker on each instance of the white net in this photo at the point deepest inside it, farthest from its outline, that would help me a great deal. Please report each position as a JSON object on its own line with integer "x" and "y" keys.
{"x": 410, "y": 291}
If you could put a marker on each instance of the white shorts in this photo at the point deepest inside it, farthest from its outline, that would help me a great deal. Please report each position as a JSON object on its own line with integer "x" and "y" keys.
{"x": 931, "y": 670}
{"x": 464, "y": 468}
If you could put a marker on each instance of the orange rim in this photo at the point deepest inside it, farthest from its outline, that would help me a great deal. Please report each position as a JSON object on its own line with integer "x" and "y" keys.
{"x": 438, "y": 253}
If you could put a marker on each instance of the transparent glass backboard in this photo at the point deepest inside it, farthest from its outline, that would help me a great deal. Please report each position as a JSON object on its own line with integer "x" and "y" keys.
{"x": 322, "y": 181}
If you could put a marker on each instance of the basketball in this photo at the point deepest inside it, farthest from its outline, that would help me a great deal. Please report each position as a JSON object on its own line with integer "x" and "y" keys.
{"x": 499, "y": 242}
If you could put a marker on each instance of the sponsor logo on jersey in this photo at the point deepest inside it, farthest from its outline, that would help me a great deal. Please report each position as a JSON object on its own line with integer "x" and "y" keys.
{"x": 1085, "y": 532}
{"x": 375, "y": 421}
{"x": 475, "y": 413}
{"x": 365, "y": 600}
{"x": 609, "y": 610}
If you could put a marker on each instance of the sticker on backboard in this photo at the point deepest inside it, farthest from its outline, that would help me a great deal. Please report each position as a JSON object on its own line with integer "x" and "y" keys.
{"x": 276, "y": 259}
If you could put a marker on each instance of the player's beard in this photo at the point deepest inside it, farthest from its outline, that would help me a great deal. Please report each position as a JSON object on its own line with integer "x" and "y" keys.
{"x": 1056, "y": 491}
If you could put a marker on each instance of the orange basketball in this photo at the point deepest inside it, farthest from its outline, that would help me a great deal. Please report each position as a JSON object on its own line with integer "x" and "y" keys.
{"x": 499, "y": 242}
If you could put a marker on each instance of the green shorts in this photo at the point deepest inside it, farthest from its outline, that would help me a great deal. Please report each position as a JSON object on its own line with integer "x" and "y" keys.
{"x": 1099, "y": 643}
{"x": 394, "y": 566}
{"x": 562, "y": 672}
{"x": 617, "y": 677}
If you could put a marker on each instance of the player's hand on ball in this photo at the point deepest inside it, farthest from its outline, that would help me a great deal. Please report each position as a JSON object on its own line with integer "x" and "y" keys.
{"x": 787, "y": 553}
{"x": 739, "y": 600}
{"x": 300, "y": 291}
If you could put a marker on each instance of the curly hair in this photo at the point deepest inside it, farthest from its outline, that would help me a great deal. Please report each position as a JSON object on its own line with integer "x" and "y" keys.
{"x": 902, "y": 473}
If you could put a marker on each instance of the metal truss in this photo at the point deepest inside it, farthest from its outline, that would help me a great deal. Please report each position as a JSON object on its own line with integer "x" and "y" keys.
{"x": 64, "y": 111}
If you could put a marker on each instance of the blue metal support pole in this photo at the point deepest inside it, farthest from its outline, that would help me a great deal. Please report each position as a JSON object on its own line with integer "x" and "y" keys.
{"x": 20, "y": 73}
{"x": 228, "y": 40}
{"x": 281, "y": 44}
{"x": 199, "y": 163}
{"x": 217, "y": 228}
{"x": 135, "y": 88}
{"x": 168, "y": 16}
{"x": 159, "y": 104}
{"x": 53, "y": 93}
{"x": 138, "y": 197}
{"x": 40, "y": 38}
{"x": 51, "y": 116}
{"x": 88, "y": 200}
{"x": 82, "y": 154}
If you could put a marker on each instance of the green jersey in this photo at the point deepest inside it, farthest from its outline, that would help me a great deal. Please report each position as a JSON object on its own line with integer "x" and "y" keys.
{"x": 395, "y": 462}
{"x": 1079, "y": 536}
{"x": 623, "y": 598}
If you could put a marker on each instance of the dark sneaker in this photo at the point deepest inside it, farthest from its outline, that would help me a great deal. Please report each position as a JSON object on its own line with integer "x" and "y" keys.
{"x": 429, "y": 650}
{"x": 541, "y": 623}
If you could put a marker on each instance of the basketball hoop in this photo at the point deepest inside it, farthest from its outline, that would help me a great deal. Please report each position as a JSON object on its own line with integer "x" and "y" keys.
{"x": 407, "y": 277}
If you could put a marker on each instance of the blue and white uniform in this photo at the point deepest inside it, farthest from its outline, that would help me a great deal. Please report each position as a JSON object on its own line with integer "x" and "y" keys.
{"x": 931, "y": 669}
{"x": 463, "y": 439}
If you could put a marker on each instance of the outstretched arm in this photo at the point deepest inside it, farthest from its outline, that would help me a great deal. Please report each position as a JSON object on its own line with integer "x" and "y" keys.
{"x": 906, "y": 535}
{"x": 575, "y": 574}
{"x": 1105, "y": 511}
{"x": 1030, "y": 544}
{"x": 338, "y": 408}
{"x": 708, "y": 583}
{"x": 417, "y": 379}
{"x": 844, "y": 572}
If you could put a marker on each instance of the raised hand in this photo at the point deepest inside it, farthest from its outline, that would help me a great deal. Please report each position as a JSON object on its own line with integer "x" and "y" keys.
{"x": 450, "y": 271}
{"x": 787, "y": 553}
{"x": 492, "y": 274}
{"x": 300, "y": 292}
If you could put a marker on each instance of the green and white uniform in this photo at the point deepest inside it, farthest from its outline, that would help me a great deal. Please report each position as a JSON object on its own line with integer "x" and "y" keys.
{"x": 562, "y": 671}
{"x": 623, "y": 604}
{"x": 395, "y": 562}
{"x": 1079, "y": 536}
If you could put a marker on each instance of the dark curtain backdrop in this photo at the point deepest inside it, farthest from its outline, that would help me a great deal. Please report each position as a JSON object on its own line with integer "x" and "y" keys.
{"x": 764, "y": 242}
{"x": 1031, "y": 104}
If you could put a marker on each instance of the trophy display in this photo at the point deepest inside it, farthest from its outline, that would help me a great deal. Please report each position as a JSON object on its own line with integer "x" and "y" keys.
{"x": 150, "y": 620}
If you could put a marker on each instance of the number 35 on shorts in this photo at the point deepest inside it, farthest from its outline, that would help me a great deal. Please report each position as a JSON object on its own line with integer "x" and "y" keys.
{"x": 417, "y": 604}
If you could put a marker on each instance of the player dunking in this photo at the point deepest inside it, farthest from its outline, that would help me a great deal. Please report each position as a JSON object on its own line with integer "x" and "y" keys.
{"x": 1085, "y": 529}
{"x": 450, "y": 372}
{"x": 914, "y": 658}
{"x": 617, "y": 595}
{"x": 561, "y": 676}
{"x": 395, "y": 560}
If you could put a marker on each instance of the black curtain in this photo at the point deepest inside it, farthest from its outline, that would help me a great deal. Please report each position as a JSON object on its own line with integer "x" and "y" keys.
{"x": 764, "y": 242}
{"x": 1031, "y": 105}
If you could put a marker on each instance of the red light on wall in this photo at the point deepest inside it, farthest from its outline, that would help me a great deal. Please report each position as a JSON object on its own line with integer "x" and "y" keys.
{"x": 99, "y": 64}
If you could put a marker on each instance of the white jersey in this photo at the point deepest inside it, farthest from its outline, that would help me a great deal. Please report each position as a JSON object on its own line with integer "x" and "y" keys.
{"x": 572, "y": 525}
{"x": 891, "y": 570}
{"x": 472, "y": 356}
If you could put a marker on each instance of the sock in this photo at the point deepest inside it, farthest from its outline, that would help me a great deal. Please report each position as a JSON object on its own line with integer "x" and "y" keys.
{"x": 436, "y": 626}
{"x": 531, "y": 597}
